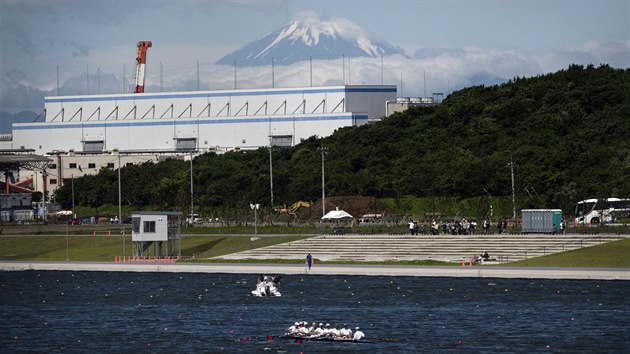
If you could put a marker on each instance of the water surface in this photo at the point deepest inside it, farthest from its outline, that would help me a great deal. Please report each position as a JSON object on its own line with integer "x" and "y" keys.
{"x": 77, "y": 312}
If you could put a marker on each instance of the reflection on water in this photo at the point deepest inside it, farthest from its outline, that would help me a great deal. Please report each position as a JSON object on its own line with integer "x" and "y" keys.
{"x": 192, "y": 312}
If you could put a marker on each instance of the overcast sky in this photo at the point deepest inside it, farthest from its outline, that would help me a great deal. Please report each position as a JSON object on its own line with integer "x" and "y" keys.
{"x": 450, "y": 44}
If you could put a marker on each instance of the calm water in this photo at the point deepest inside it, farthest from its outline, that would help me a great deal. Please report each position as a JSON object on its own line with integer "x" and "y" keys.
{"x": 54, "y": 311}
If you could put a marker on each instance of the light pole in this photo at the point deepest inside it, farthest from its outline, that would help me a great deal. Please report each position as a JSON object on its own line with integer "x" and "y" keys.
{"x": 323, "y": 150}
{"x": 192, "y": 205}
{"x": 271, "y": 173}
{"x": 67, "y": 255}
{"x": 122, "y": 232}
{"x": 45, "y": 205}
{"x": 255, "y": 207}
{"x": 119, "y": 193}
{"x": 73, "y": 213}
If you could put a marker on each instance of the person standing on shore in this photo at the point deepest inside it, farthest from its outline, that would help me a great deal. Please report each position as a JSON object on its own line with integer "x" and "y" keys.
{"x": 309, "y": 261}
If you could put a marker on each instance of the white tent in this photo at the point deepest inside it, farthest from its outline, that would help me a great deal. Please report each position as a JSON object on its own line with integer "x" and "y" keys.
{"x": 336, "y": 215}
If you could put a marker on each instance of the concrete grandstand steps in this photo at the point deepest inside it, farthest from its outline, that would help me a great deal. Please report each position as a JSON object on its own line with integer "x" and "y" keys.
{"x": 505, "y": 248}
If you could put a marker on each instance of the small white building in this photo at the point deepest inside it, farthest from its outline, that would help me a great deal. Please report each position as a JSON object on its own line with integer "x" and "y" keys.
{"x": 404, "y": 103}
{"x": 158, "y": 229}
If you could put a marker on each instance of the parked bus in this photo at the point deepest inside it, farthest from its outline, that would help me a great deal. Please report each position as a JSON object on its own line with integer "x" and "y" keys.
{"x": 595, "y": 211}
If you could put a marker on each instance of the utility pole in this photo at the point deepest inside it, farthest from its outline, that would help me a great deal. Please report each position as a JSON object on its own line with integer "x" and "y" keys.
{"x": 511, "y": 165}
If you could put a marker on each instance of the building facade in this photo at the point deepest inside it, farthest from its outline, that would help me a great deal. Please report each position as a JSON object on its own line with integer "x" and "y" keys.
{"x": 402, "y": 104}
{"x": 83, "y": 134}
{"x": 203, "y": 121}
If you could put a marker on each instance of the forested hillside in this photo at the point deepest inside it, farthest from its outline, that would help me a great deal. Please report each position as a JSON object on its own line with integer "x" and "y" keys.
{"x": 567, "y": 133}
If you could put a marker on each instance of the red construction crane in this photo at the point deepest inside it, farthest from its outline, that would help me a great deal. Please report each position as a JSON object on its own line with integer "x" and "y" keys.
{"x": 141, "y": 62}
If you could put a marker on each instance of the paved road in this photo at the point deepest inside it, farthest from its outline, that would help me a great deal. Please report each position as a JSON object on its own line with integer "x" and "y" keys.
{"x": 332, "y": 269}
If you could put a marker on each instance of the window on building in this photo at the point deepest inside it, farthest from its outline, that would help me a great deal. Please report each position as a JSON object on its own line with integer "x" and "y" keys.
{"x": 93, "y": 146}
{"x": 72, "y": 165}
{"x": 185, "y": 144}
{"x": 149, "y": 226}
{"x": 135, "y": 224}
{"x": 110, "y": 165}
{"x": 129, "y": 164}
{"x": 52, "y": 165}
{"x": 281, "y": 140}
{"x": 52, "y": 181}
{"x": 91, "y": 165}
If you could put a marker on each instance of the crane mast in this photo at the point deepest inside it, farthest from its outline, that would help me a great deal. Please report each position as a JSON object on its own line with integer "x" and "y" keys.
{"x": 141, "y": 61}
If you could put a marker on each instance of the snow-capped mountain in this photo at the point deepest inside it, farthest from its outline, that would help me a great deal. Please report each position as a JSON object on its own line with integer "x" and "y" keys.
{"x": 307, "y": 38}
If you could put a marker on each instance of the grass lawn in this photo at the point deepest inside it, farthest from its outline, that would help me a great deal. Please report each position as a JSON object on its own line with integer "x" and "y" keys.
{"x": 105, "y": 248}
{"x": 608, "y": 255}
{"x": 199, "y": 248}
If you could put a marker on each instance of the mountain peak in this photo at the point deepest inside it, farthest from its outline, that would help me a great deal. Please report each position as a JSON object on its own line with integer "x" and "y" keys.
{"x": 310, "y": 37}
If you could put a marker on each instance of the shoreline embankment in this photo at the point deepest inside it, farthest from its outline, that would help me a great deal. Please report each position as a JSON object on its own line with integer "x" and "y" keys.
{"x": 329, "y": 269}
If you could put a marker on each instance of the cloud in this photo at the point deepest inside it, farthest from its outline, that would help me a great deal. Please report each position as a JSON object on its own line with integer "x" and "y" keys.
{"x": 267, "y": 6}
{"x": 18, "y": 33}
{"x": 613, "y": 53}
{"x": 105, "y": 13}
{"x": 17, "y": 97}
{"x": 79, "y": 50}
{"x": 431, "y": 70}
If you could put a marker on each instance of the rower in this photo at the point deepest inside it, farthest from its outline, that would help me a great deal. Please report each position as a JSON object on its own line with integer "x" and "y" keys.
{"x": 303, "y": 329}
{"x": 336, "y": 332}
{"x": 345, "y": 332}
{"x": 328, "y": 332}
{"x": 293, "y": 329}
{"x": 319, "y": 330}
{"x": 312, "y": 329}
{"x": 358, "y": 335}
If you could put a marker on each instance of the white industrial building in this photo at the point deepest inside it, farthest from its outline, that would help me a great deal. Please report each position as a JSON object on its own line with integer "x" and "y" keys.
{"x": 86, "y": 133}
{"x": 203, "y": 120}
{"x": 402, "y": 104}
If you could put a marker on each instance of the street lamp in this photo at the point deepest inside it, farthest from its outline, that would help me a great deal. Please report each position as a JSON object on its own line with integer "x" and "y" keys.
{"x": 122, "y": 229}
{"x": 255, "y": 207}
{"x": 192, "y": 205}
{"x": 271, "y": 172}
{"x": 119, "y": 193}
{"x": 67, "y": 251}
{"x": 323, "y": 150}
{"x": 74, "y": 215}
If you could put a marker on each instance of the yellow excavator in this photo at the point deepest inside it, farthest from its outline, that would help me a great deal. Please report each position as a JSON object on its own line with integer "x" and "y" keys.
{"x": 293, "y": 208}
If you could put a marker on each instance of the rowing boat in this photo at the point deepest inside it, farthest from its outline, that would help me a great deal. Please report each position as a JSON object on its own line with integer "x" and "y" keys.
{"x": 323, "y": 338}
